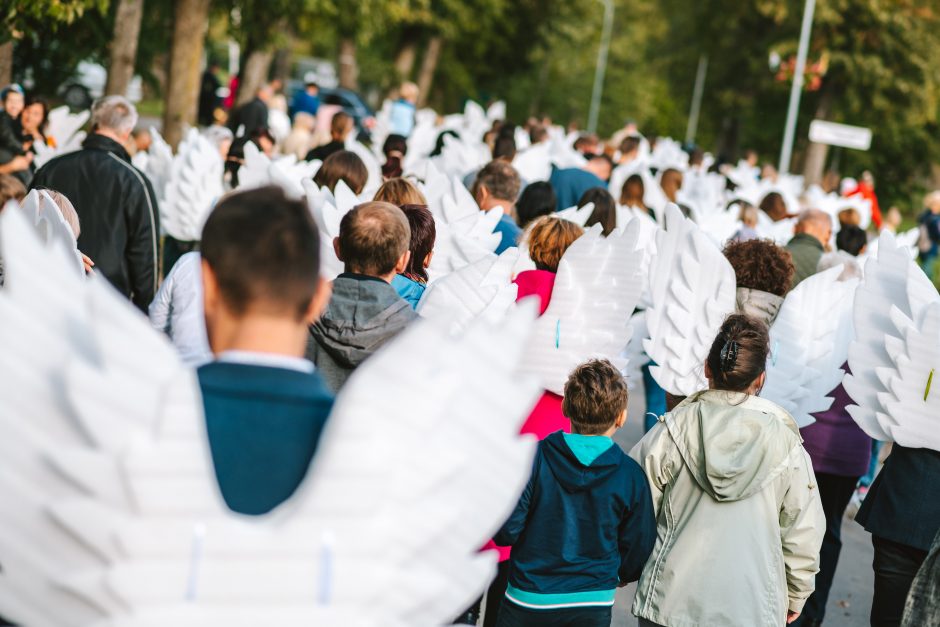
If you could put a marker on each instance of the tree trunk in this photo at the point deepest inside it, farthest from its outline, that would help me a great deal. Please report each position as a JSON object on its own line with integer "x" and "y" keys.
{"x": 407, "y": 53}
{"x": 253, "y": 74}
{"x": 124, "y": 46}
{"x": 190, "y": 23}
{"x": 6, "y": 62}
{"x": 280, "y": 65}
{"x": 348, "y": 66}
{"x": 816, "y": 154}
{"x": 426, "y": 76}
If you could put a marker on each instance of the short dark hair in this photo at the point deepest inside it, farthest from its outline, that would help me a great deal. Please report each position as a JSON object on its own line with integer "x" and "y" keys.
{"x": 537, "y": 133}
{"x": 264, "y": 250}
{"x": 629, "y": 144}
{"x": 739, "y": 353}
{"x": 595, "y": 396}
{"x": 538, "y": 199}
{"x": 774, "y": 206}
{"x": 423, "y": 234}
{"x": 342, "y": 165}
{"x": 760, "y": 264}
{"x": 504, "y": 148}
{"x": 500, "y": 179}
{"x": 633, "y": 182}
{"x": 851, "y": 239}
{"x": 605, "y": 209}
{"x": 372, "y": 237}
{"x": 340, "y": 123}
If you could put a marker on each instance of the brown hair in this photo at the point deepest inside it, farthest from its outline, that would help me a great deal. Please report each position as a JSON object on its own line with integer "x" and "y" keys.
{"x": 11, "y": 188}
{"x": 340, "y": 124}
{"x": 342, "y": 165}
{"x": 399, "y": 192}
{"x": 634, "y": 181}
{"x": 372, "y": 237}
{"x": 774, "y": 206}
{"x": 760, "y": 264}
{"x": 67, "y": 210}
{"x": 500, "y": 179}
{"x": 595, "y": 396}
{"x": 605, "y": 209}
{"x": 548, "y": 239}
{"x": 423, "y": 234}
{"x": 739, "y": 354}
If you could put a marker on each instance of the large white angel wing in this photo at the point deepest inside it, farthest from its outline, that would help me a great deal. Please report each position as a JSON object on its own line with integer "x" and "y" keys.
{"x": 194, "y": 186}
{"x": 596, "y": 290}
{"x": 159, "y": 164}
{"x": 809, "y": 343}
{"x": 53, "y": 230}
{"x": 889, "y": 311}
{"x": 64, "y": 129}
{"x": 110, "y": 510}
{"x": 692, "y": 291}
{"x": 578, "y": 215}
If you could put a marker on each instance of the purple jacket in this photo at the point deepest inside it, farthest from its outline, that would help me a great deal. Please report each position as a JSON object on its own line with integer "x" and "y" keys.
{"x": 836, "y": 444}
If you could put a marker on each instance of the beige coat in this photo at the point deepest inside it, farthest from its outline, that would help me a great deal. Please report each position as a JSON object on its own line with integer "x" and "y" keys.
{"x": 739, "y": 521}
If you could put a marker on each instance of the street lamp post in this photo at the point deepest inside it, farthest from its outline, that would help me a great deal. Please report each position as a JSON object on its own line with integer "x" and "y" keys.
{"x": 697, "y": 93}
{"x": 796, "y": 90}
{"x": 601, "y": 65}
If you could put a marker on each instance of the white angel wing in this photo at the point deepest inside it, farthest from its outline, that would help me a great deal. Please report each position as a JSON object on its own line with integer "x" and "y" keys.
{"x": 480, "y": 289}
{"x": 692, "y": 291}
{"x": 194, "y": 186}
{"x": 534, "y": 163}
{"x": 596, "y": 290}
{"x": 809, "y": 343}
{"x": 64, "y": 128}
{"x": 159, "y": 164}
{"x": 892, "y": 298}
{"x": 52, "y": 228}
{"x": 254, "y": 172}
{"x": 373, "y": 167}
{"x": 320, "y": 202}
{"x": 578, "y": 215}
{"x": 110, "y": 510}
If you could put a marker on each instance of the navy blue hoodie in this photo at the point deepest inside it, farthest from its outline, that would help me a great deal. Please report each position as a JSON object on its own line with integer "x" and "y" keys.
{"x": 584, "y": 524}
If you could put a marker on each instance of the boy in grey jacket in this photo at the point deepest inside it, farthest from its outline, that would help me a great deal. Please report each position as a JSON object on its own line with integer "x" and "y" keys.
{"x": 365, "y": 311}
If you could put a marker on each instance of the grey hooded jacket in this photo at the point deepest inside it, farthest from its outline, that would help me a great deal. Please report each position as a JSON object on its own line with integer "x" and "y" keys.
{"x": 364, "y": 313}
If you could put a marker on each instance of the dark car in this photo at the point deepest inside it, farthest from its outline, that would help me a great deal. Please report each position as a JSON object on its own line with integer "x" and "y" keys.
{"x": 350, "y": 101}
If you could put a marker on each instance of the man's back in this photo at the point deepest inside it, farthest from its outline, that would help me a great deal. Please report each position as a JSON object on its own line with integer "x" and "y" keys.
{"x": 806, "y": 252}
{"x": 571, "y": 183}
{"x": 117, "y": 210}
{"x": 264, "y": 424}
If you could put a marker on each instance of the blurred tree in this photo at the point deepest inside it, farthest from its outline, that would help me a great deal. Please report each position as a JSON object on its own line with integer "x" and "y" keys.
{"x": 190, "y": 23}
{"x": 123, "y": 45}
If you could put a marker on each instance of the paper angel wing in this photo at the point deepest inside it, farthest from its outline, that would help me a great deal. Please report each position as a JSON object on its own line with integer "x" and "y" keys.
{"x": 64, "y": 129}
{"x": 809, "y": 343}
{"x": 373, "y": 167}
{"x": 110, "y": 510}
{"x": 194, "y": 186}
{"x": 534, "y": 163}
{"x": 159, "y": 164}
{"x": 692, "y": 291}
{"x": 254, "y": 172}
{"x": 889, "y": 313}
{"x": 480, "y": 289}
{"x": 578, "y": 215}
{"x": 596, "y": 290}
{"x": 52, "y": 228}
{"x": 320, "y": 201}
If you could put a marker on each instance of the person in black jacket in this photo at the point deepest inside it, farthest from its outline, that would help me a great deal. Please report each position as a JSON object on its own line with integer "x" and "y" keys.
{"x": 252, "y": 115}
{"x": 114, "y": 200}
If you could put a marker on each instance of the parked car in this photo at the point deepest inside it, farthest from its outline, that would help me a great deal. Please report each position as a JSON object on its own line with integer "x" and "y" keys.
{"x": 88, "y": 83}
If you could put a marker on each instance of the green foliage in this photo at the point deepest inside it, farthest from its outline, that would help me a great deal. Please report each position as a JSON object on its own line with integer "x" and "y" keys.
{"x": 19, "y": 15}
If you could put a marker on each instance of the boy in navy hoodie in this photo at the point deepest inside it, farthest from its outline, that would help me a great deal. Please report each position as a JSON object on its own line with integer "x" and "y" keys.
{"x": 585, "y": 523}
{"x": 265, "y": 406}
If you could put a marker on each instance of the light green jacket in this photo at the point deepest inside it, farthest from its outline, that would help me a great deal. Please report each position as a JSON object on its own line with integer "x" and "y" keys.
{"x": 739, "y": 521}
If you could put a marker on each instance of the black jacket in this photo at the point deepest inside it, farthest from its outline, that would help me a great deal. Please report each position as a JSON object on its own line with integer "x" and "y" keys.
{"x": 252, "y": 115}
{"x": 117, "y": 210}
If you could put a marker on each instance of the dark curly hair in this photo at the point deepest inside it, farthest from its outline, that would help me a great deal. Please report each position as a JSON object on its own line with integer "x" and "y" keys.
{"x": 760, "y": 264}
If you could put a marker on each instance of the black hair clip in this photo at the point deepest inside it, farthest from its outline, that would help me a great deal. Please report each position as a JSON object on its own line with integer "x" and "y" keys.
{"x": 728, "y": 356}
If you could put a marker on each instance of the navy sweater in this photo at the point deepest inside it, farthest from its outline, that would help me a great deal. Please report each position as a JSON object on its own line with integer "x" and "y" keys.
{"x": 264, "y": 425}
{"x": 584, "y": 525}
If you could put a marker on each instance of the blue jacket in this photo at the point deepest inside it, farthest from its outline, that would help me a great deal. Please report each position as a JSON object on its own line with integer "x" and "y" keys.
{"x": 264, "y": 425}
{"x": 508, "y": 230}
{"x": 584, "y": 524}
{"x": 408, "y": 289}
{"x": 304, "y": 102}
{"x": 571, "y": 183}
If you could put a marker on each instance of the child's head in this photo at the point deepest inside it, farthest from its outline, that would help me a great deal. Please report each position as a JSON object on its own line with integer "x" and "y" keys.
{"x": 423, "y": 234}
{"x": 373, "y": 240}
{"x": 849, "y": 217}
{"x": 632, "y": 192}
{"x": 548, "y": 238}
{"x": 399, "y": 192}
{"x": 893, "y": 217}
{"x": 761, "y": 265}
{"x": 537, "y": 200}
{"x": 11, "y": 188}
{"x": 341, "y": 125}
{"x": 605, "y": 209}
{"x": 748, "y": 215}
{"x": 851, "y": 239}
{"x": 261, "y": 259}
{"x": 66, "y": 209}
{"x": 738, "y": 356}
{"x": 595, "y": 398}
{"x": 342, "y": 165}
{"x": 774, "y": 206}
{"x": 409, "y": 92}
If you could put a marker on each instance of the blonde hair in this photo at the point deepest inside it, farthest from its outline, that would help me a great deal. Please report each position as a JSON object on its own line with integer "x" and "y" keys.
{"x": 408, "y": 91}
{"x": 748, "y": 215}
{"x": 548, "y": 238}
{"x": 399, "y": 191}
{"x": 66, "y": 209}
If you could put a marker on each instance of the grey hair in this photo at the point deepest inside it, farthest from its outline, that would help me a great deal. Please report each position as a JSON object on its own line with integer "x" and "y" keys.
{"x": 115, "y": 113}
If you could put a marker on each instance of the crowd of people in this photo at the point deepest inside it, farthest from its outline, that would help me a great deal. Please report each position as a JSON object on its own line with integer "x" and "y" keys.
{"x": 725, "y": 513}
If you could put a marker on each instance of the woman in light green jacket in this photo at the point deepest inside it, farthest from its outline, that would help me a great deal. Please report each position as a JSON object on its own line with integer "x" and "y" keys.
{"x": 739, "y": 521}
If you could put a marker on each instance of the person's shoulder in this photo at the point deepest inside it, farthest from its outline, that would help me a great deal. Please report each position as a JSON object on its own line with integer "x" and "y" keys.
{"x": 251, "y": 379}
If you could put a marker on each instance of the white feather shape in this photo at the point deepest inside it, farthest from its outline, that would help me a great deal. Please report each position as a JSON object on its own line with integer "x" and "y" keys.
{"x": 53, "y": 230}
{"x": 194, "y": 186}
{"x": 482, "y": 289}
{"x": 496, "y": 111}
{"x": 64, "y": 128}
{"x": 159, "y": 164}
{"x": 692, "y": 291}
{"x": 328, "y": 217}
{"x": 534, "y": 163}
{"x": 596, "y": 290}
{"x": 809, "y": 343}
{"x": 892, "y": 297}
{"x": 110, "y": 510}
{"x": 578, "y": 215}
{"x": 373, "y": 167}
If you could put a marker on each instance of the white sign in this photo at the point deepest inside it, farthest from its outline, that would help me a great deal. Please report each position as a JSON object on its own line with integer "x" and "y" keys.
{"x": 833, "y": 134}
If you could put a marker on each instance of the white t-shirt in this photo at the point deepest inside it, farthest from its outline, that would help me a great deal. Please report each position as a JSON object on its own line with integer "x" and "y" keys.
{"x": 177, "y": 310}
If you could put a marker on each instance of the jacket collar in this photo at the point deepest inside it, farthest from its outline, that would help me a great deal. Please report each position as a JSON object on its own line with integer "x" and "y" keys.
{"x": 100, "y": 142}
{"x": 807, "y": 239}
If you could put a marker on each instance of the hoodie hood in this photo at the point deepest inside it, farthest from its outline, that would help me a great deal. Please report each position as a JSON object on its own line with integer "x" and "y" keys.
{"x": 761, "y": 305}
{"x": 363, "y": 314}
{"x": 568, "y": 470}
{"x": 732, "y": 447}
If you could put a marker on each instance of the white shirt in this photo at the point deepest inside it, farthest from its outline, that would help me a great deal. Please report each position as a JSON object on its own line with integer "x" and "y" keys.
{"x": 177, "y": 311}
{"x": 268, "y": 360}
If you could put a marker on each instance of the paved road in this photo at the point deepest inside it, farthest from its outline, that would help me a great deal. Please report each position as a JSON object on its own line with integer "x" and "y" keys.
{"x": 850, "y": 599}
